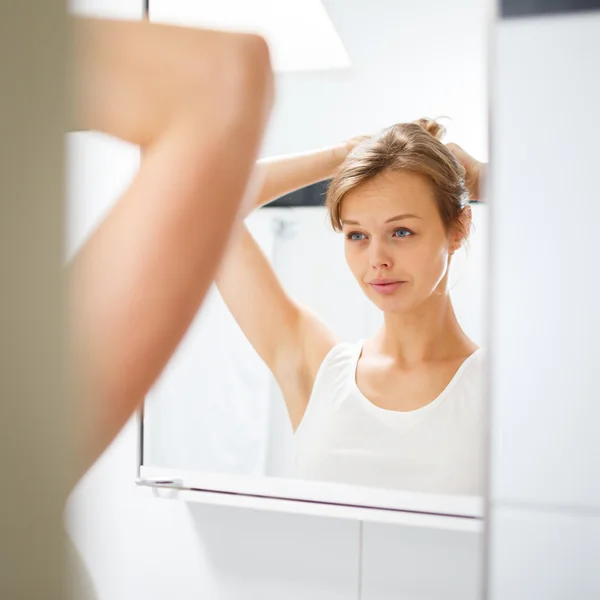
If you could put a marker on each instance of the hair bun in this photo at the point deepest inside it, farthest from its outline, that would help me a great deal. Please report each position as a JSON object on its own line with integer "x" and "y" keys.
{"x": 432, "y": 127}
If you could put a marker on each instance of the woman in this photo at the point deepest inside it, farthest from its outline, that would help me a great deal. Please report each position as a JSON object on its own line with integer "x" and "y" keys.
{"x": 404, "y": 408}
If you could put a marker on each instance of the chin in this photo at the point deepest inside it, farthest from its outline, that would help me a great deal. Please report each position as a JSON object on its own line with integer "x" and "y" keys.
{"x": 394, "y": 303}
{"x": 397, "y": 308}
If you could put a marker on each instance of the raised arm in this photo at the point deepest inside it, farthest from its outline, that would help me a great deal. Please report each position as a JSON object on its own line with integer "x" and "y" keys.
{"x": 197, "y": 102}
{"x": 289, "y": 338}
{"x": 284, "y": 174}
{"x": 474, "y": 171}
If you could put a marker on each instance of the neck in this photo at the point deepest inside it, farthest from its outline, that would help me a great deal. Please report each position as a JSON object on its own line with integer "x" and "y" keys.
{"x": 431, "y": 332}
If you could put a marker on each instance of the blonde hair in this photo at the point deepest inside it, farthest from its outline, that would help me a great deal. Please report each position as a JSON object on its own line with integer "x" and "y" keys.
{"x": 414, "y": 147}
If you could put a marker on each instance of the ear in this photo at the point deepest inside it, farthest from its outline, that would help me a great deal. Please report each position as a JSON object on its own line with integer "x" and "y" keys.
{"x": 461, "y": 232}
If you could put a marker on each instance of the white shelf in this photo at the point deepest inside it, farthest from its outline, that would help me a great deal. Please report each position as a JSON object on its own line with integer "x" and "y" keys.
{"x": 321, "y": 500}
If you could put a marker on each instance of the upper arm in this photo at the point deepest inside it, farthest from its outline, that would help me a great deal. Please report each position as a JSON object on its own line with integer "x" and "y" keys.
{"x": 133, "y": 79}
{"x": 288, "y": 337}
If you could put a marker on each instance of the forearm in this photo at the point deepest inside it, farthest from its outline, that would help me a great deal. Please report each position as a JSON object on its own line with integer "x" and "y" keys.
{"x": 284, "y": 174}
{"x": 138, "y": 282}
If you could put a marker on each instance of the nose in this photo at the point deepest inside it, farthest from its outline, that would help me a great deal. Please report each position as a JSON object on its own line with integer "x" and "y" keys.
{"x": 379, "y": 256}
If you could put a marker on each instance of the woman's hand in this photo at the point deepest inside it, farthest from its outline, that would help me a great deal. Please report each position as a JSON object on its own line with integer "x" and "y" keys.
{"x": 341, "y": 152}
{"x": 354, "y": 141}
{"x": 473, "y": 170}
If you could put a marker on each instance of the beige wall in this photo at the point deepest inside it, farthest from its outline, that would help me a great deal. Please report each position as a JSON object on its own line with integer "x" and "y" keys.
{"x": 33, "y": 408}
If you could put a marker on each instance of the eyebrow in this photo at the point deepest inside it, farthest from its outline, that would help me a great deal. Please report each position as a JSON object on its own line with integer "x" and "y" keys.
{"x": 396, "y": 218}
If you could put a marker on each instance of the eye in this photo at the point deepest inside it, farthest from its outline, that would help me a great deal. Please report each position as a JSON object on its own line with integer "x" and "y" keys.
{"x": 402, "y": 232}
{"x": 356, "y": 236}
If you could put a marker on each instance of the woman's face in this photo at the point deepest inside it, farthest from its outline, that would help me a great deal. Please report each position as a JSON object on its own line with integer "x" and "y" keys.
{"x": 396, "y": 244}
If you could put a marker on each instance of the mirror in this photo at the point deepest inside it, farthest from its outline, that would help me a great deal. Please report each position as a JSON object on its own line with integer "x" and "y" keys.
{"x": 397, "y": 406}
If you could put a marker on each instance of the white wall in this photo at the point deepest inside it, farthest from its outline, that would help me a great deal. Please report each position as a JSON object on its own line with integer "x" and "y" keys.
{"x": 136, "y": 546}
{"x": 545, "y": 485}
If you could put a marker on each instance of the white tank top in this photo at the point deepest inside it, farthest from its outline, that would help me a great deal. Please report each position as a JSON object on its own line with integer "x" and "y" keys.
{"x": 345, "y": 438}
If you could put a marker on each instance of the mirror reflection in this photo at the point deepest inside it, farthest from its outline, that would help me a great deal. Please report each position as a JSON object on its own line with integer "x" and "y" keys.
{"x": 343, "y": 341}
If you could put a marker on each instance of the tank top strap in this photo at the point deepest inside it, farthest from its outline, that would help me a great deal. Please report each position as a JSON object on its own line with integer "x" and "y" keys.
{"x": 338, "y": 366}
{"x": 334, "y": 380}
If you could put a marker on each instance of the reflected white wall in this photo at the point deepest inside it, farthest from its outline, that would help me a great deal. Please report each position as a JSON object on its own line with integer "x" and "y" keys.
{"x": 409, "y": 60}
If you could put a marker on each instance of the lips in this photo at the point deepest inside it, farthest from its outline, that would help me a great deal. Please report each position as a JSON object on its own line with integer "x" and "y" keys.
{"x": 386, "y": 286}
